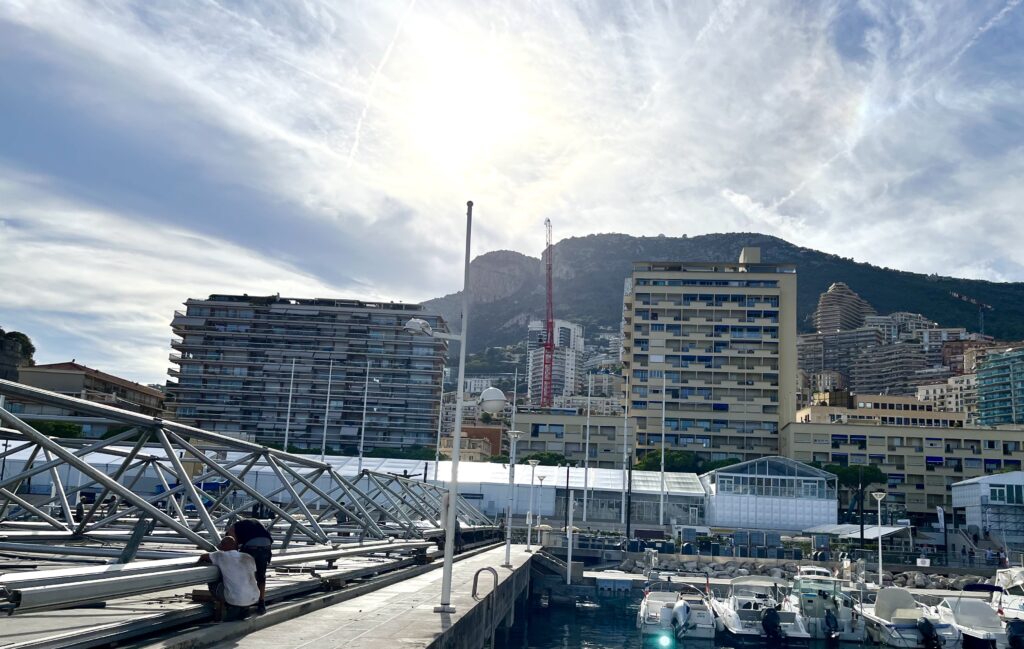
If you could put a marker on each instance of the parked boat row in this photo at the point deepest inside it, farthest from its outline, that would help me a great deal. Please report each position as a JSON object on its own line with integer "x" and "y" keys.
{"x": 764, "y": 611}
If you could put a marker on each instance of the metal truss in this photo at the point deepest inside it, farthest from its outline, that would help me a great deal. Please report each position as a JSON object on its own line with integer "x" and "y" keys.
{"x": 204, "y": 481}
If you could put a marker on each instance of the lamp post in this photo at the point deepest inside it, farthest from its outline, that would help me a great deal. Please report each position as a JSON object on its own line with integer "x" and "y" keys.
{"x": 437, "y": 444}
{"x": 625, "y": 447}
{"x": 487, "y": 401}
{"x": 327, "y": 410}
{"x": 661, "y": 496}
{"x": 529, "y": 513}
{"x": 513, "y": 436}
{"x": 537, "y": 520}
{"x": 879, "y": 496}
{"x": 586, "y": 447}
{"x": 288, "y": 415}
{"x": 362, "y": 428}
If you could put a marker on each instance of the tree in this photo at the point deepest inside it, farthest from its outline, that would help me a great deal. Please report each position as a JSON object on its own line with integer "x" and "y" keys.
{"x": 545, "y": 458}
{"x": 850, "y": 476}
{"x": 410, "y": 453}
{"x": 486, "y": 417}
{"x": 718, "y": 464}
{"x": 58, "y": 429}
{"x": 675, "y": 461}
{"x": 498, "y": 459}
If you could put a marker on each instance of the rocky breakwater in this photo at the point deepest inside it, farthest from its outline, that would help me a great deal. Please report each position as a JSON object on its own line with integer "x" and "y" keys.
{"x": 745, "y": 567}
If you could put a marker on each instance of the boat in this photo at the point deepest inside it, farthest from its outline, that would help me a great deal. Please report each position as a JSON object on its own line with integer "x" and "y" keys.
{"x": 751, "y": 616}
{"x": 895, "y": 619}
{"x": 1009, "y": 595}
{"x": 691, "y": 616}
{"x": 827, "y": 612}
{"x": 976, "y": 620}
{"x": 654, "y": 619}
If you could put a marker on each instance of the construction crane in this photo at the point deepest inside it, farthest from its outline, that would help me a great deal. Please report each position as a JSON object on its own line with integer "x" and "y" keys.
{"x": 546, "y": 389}
{"x": 982, "y": 307}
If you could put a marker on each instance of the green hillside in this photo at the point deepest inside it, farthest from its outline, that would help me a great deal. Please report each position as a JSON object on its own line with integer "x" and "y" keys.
{"x": 507, "y": 288}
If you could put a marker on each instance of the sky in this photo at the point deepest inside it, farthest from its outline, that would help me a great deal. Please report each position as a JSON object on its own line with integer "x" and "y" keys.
{"x": 156, "y": 151}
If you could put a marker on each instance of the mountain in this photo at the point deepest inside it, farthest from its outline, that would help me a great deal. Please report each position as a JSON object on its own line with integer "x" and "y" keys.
{"x": 507, "y": 288}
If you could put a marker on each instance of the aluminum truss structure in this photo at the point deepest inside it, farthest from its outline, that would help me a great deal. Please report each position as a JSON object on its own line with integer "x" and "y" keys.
{"x": 204, "y": 481}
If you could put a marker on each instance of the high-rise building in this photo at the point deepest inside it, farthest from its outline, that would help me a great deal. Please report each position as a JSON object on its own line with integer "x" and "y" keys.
{"x": 892, "y": 369}
{"x": 567, "y": 368}
{"x": 234, "y": 356}
{"x": 1001, "y": 388}
{"x": 715, "y": 345}
{"x": 957, "y": 394}
{"x": 836, "y": 351}
{"x": 840, "y": 309}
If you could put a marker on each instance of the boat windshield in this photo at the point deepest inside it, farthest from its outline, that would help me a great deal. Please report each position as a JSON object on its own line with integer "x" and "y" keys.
{"x": 974, "y": 613}
{"x": 816, "y": 584}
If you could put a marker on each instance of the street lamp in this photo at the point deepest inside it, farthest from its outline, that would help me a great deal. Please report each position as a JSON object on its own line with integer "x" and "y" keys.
{"x": 422, "y": 327}
{"x": 879, "y": 496}
{"x": 362, "y": 428}
{"x": 529, "y": 513}
{"x": 513, "y": 436}
{"x": 540, "y": 479}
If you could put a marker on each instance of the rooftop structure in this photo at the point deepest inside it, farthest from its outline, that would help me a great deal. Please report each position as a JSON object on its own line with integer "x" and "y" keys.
{"x": 880, "y": 410}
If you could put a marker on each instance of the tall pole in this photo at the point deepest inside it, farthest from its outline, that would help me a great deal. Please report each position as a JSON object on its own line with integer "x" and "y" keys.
{"x": 453, "y": 484}
{"x": 362, "y": 427}
{"x": 327, "y": 410}
{"x": 879, "y": 496}
{"x": 567, "y": 495}
{"x": 661, "y": 496}
{"x": 513, "y": 436}
{"x": 586, "y": 447}
{"x": 569, "y": 540}
{"x": 629, "y": 501}
{"x": 529, "y": 513}
{"x": 625, "y": 448}
{"x": 440, "y": 416}
{"x": 288, "y": 415}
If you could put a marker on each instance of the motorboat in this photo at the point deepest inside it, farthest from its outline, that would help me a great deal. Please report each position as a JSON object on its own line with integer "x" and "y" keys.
{"x": 1009, "y": 594}
{"x": 751, "y": 615}
{"x": 895, "y": 619}
{"x": 654, "y": 619}
{"x": 828, "y": 613}
{"x": 976, "y": 620}
{"x": 691, "y": 616}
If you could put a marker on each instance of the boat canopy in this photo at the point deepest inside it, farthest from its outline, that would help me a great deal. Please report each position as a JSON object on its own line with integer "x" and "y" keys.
{"x": 890, "y": 600}
{"x": 1010, "y": 577}
{"x": 973, "y": 613}
{"x": 758, "y": 581}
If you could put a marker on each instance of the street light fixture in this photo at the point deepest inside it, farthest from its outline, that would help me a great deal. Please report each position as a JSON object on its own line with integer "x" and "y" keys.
{"x": 513, "y": 437}
{"x": 529, "y": 513}
{"x": 540, "y": 479}
{"x": 419, "y": 326}
{"x": 879, "y": 496}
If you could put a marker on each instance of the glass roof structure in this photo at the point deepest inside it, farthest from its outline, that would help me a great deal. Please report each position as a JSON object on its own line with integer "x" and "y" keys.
{"x": 774, "y": 466}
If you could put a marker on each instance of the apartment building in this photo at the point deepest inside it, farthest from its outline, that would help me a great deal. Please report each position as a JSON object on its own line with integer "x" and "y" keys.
{"x": 840, "y": 309}
{"x": 921, "y": 463}
{"x": 565, "y": 432}
{"x": 836, "y": 351}
{"x": 234, "y": 357}
{"x": 956, "y": 394}
{"x": 1001, "y": 387}
{"x": 877, "y": 410}
{"x": 567, "y": 361}
{"x": 896, "y": 368}
{"x": 77, "y": 380}
{"x": 710, "y": 349}
{"x": 471, "y": 449}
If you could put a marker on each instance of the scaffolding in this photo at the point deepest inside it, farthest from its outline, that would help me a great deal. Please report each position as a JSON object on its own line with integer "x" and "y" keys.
{"x": 203, "y": 481}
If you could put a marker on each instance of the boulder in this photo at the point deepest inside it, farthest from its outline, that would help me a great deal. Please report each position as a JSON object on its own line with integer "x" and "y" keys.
{"x": 690, "y": 566}
{"x": 775, "y": 573}
{"x": 920, "y": 581}
{"x": 742, "y": 572}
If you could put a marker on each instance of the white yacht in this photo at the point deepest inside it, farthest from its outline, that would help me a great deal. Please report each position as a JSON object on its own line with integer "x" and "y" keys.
{"x": 751, "y": 615}
{"x": 828, "y": 613}
{"x": 691, "y": 616}
{"x": 654, "y": 619}
{"x": 895, "y": 619}
{"x": 976, "y": 620}
{"x": 1009, "y": 592}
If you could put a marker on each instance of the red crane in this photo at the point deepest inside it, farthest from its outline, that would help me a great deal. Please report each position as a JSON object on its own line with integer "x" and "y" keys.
{"x": 546, "y": 389}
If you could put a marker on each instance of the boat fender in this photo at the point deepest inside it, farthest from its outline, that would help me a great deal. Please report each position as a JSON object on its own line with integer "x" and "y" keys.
{"x": 1015, "y": 633}
{"x": 929, "y": 636}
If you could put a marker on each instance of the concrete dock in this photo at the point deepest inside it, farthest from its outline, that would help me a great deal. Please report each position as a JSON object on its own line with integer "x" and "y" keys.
{"x": 397, "y": 615}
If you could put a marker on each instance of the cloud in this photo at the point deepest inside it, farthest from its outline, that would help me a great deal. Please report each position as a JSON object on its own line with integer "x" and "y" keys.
{"x": 340, "y": 142}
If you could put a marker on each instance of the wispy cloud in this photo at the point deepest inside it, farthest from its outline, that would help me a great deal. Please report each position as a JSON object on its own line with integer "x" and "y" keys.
{"x": 336, "y": 144}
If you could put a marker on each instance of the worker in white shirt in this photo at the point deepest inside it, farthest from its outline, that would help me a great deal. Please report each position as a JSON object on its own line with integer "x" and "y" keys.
{"x": 236, "y": 590}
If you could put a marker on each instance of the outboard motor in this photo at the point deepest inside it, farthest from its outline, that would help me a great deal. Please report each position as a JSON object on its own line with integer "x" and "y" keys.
{"x": 772, "y": 625}
{"x": 1015, "y": 633}
{"x": 929, "y": 636}
{"x": 831, "y": 626}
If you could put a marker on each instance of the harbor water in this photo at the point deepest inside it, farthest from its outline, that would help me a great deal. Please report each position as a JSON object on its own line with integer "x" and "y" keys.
{"x": 609, "y": 625}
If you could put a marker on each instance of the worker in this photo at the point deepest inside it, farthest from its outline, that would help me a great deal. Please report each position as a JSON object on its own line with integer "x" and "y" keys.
{"x": 80, "y": 509}
{"x": 236, "y": 590}
{"x": 254, "y": 539}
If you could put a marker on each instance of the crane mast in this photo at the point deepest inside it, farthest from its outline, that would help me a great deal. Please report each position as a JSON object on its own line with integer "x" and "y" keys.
{"x": 546, "y": 388}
